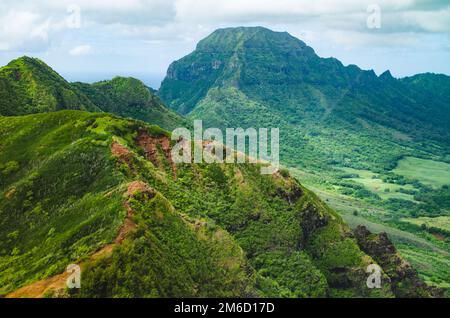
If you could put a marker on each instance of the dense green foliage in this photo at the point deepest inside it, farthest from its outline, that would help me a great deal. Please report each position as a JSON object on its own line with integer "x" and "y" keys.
{"x": 329, "y": 114}
{"x": 129, "y": 97}
{"x": 53, "y": 209}
{"x": 381, "y": 141}
{"x": 221, "y": 230}
{"x": 28, "y": 85}
{"x": 202, "y": 230}
{"x": 170, "y": 256}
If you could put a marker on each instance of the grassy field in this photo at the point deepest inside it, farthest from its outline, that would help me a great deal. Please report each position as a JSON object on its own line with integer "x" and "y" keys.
{"x": 346, "y": 206}
{"x": 383, "y": 189}
{"x": 431, "y": 260}
{"x": 442, "y": 222}
{"x": 433, "y": 173}
{"x": 430, "y": 265}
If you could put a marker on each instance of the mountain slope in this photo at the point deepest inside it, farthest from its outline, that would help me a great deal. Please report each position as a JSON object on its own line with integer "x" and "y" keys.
{"x": 74, "y": 183}
{"x": 325, "y": 110}
{"x": 28, "y": 85}
{"x": 129, "y": 97}
{"x": 346, "y": 132}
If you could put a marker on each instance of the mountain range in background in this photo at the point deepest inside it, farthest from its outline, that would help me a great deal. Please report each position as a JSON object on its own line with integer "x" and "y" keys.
{"x": 328, "y": 113}
{"x": 376, "y": 148}
{"x": 89, "y": 181}
{"x": 28, "y": 85}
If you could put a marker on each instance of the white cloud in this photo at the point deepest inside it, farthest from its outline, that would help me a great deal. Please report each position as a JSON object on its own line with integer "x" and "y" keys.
{"x": 33, "y": 24}
{"x": 18, "y": 28}
{"x": 398, "y": 15}
{"x": 131, "y": 12}
{"x": 207, "y": 10}
{"x": 431, "y": 21}
{"x": 81, "y": 50}
{"x": 168, "y": 29}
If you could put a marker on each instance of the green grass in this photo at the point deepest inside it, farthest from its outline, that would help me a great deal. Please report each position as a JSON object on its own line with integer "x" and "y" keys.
{"x": 432, "y": 267}
{"x": 53, "y": 209}
{"x": 429, "y": 257}
{"x": 214, "y": 230}
{"x": 441, "y": 222}
{"x": 385, "y": 190}
{"x": 433, "y": 173}
{"x": 431, "y": 261}
{"x": 346, "y": 206}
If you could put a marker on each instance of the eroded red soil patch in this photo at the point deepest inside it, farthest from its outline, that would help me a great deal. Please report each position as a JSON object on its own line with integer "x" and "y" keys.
{"x": 121, "y": 152}
{"x": 150, "y": 144}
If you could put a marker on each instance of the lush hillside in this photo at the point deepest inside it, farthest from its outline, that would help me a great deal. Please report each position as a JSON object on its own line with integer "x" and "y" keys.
{"x": 28, "y": 85}
{"x": 329, "y": 114}
{"x": 430, "y": 84}
{"x": 103, "y": 192}
{"x": 376, "y": 147}
{"x": 129, "y": 97}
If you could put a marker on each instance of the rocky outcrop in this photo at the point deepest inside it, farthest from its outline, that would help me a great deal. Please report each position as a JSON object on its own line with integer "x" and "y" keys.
{"x": 153, "y": 146}
{"x": 292, "y": 194}
{"x": 311, "y": 221}
{"x": 405, "y": 280}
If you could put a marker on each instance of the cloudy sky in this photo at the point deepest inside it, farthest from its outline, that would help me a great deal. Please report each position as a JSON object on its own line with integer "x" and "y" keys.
{"x": 91, "y": 40}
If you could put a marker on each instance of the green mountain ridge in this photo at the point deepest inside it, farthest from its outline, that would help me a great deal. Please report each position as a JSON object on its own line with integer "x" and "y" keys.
{"x": 130, "y": 98}
{"x": 80, "y": 181}
{"x": 377, "y": 148}
{"x": 318, "y": 103}
{"x": 28, "y": 85}
{"x": 99, "y": 189}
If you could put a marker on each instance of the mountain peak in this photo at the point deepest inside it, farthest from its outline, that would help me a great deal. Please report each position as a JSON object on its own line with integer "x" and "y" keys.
{"x": 386, "y": 75}
{"x": 24, "y": 59}
{"x": 130, "y": 97}
{"x": 250, "y": 37}
{"x": 239, "y": 32}
{"x": 31, "y": 86}
{"x": 27, "y": 61}
{"x": 249, "y": 58}
{"x": 243, "y": 29}
{"x": 35, "y": 67}
{"x": 125, "y": 81}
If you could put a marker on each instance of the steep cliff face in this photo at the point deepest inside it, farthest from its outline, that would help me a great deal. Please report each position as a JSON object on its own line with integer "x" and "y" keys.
{"x": 404, "y": 278}
{"x": 255, "y": 77}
